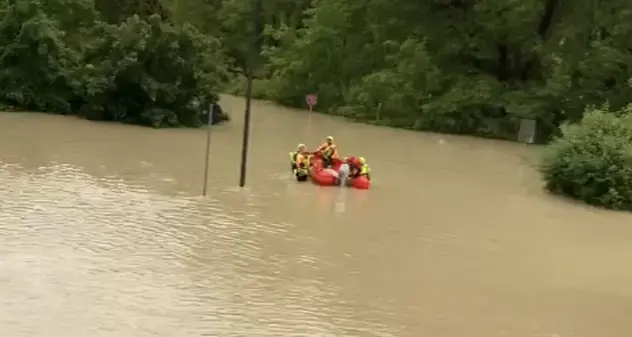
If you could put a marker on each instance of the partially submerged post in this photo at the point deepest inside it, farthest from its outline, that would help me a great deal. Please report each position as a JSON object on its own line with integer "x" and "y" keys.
{"x": 246, "y": 136}
{"x": 526, "y": 135}
{"x": 311, "y": 100}
{"x": 208, "y": 149}
{"x": 249, "y": 73}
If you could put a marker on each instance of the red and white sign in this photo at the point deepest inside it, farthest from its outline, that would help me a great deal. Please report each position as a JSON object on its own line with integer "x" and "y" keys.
{"x": 311, "y": 100}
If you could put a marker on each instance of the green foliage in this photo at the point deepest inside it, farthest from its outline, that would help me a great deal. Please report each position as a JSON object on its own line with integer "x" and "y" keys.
{"x": 239, "y": 84}
{"x": 149, "y": 73}
{"x": 35, "y": 59}
{"x": 233, "y": 22}
{"x": 592, "y": 160}
{"x": 458, "y": 66}
{"x": 116, "y": 11}
{"x": 58, "y": 56}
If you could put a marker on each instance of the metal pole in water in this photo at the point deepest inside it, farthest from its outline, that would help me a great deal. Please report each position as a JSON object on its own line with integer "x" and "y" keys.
{"x": 250, "y": 66}
{"x": 208, "y": 150}
{"x": 246, "y": 136}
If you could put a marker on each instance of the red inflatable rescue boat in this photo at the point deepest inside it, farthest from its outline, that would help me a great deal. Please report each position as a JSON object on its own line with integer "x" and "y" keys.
{"x": 329, "y": 176}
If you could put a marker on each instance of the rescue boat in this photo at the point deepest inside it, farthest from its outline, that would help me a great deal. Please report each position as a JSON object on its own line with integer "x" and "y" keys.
{"x": 324, "y": 176}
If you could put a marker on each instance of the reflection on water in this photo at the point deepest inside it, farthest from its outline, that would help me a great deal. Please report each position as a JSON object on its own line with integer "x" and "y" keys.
{"x": 103, "y": 234}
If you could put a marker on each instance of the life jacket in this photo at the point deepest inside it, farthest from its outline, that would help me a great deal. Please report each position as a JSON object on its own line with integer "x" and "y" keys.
{"x": 302, "y": 164}
{"x": 293, "y": 156}
{"x": 303, "y": 161}
{"x": 328, "y": 150}
{"x": 364, "y": 170}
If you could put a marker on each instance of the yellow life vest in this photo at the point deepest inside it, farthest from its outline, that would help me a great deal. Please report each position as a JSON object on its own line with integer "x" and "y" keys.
{"x": 303, "y": 167}
{"x": 365, "y": 169}
{"x": 328, "y": 150}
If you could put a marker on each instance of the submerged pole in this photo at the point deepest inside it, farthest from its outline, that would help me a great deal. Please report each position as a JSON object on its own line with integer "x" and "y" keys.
{"x": 208, "y": 150}
{"x": 249, "y": 73}
{"x": 246, "y": 136}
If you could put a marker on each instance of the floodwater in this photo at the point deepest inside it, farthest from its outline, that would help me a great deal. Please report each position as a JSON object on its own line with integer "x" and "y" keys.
{"x": 103, "y": 233}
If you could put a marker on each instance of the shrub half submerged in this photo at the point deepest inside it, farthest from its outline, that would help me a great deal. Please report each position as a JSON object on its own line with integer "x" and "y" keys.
{"x": 592, "y": 160}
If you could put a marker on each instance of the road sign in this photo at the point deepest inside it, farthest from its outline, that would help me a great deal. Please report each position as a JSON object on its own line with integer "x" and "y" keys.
{"x": 526, "y": 133}
{"x": 311, "y": 100}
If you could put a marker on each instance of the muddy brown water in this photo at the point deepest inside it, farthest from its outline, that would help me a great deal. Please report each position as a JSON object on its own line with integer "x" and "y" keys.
{"x": 103, "y": 233}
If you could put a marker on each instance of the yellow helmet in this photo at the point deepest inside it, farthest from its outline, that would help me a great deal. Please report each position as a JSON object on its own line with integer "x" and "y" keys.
{"x": 362, "y": 160}
{"x": 330, "y": 138}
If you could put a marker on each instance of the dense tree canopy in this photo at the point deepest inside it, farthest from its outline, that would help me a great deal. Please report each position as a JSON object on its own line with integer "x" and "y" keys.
{"x": 63, "y": 56}
{"x": 461, "y": 66}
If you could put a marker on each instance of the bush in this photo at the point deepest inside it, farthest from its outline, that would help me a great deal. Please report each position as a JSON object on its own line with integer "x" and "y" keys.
{"x": 592, "y": 160}
{"x": 150, "y": 73}
{"x": 239, "y": 85}
{"x": 57, "y": 56}
{"x": 35, "y": 59}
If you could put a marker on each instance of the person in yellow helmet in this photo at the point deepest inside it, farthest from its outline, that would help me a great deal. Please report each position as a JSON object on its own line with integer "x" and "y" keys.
{"x": 299, "y": 160}
{"x": 329, "y": 151}
{"x": 358, "y": 166}
{"x": 365, "y": 170}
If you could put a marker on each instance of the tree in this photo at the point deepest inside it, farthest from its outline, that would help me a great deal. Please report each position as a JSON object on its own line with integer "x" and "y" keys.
{"x": 592, "y": 160}
{"x": 150, "y": 73}
{"x": 459, "y": 66}
{"x": 58, "y": 56}
{"x": 116, "y": 11}
{"x": 232, "y": 21}
{"x": 475, "y": 67}
{"x": 36, "y": 61}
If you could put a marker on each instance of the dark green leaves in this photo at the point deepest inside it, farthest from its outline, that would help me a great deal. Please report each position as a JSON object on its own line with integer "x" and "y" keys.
{"x": 58, "y": 56}
{"x": 475, "y": 67}
{"x": 592, "y": 161}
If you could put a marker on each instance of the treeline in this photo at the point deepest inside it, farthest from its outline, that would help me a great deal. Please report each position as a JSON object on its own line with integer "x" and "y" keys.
{"x": 110, "y": 60}
{"x": 459, "y": 66}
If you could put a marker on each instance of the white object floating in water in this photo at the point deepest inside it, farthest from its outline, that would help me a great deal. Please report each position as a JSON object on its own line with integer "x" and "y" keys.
{"x": 441, "y": 141}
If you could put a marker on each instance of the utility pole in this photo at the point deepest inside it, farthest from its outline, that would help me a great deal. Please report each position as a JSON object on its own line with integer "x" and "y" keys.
{"x": 252, "y": 60}
{"x": 208, "y": 149}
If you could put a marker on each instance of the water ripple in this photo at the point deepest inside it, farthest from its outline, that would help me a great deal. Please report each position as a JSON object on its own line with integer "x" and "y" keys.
{"x": 100, "y": 235}
{"x": 87, "y": 256}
